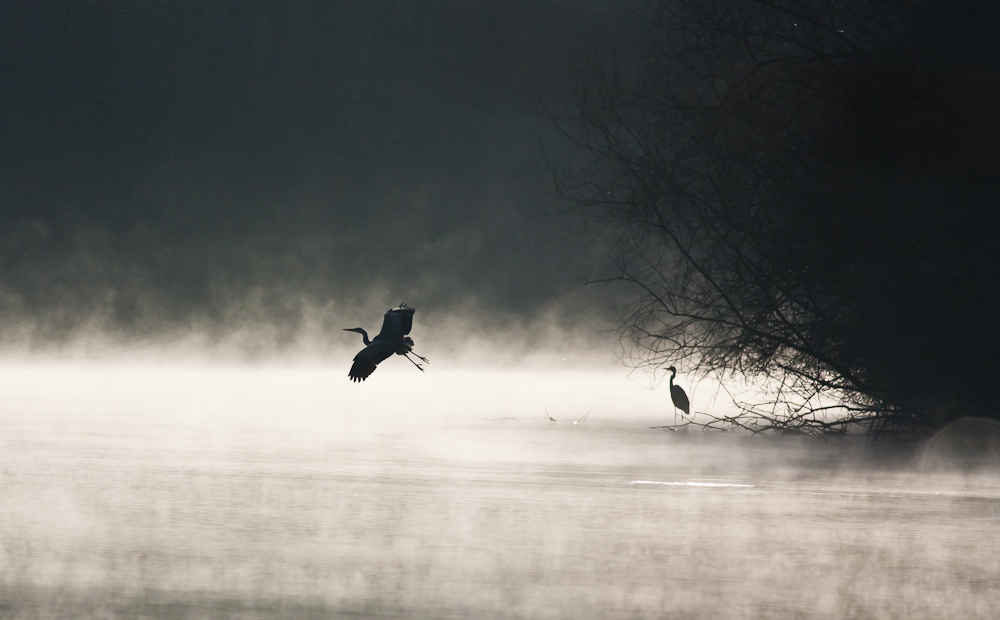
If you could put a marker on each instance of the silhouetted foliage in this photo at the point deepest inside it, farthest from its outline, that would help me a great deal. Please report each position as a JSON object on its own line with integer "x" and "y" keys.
{"x": 805, "y": 193}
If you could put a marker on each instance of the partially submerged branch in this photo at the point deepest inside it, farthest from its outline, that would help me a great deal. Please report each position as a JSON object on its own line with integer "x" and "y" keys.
{"x": 771, "y": 175}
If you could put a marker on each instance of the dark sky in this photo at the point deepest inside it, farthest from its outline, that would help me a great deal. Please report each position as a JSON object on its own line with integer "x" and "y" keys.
{"x": 211, "y": 164}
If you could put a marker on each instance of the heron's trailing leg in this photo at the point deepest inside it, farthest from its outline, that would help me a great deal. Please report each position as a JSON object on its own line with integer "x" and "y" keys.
{"x": 422, "y": 358}
{"x": 419, "y": 367}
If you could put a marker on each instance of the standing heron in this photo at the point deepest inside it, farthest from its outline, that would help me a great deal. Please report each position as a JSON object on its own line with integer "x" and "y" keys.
{"x": 677, "y": 396}
{"x": 392, "y": 339}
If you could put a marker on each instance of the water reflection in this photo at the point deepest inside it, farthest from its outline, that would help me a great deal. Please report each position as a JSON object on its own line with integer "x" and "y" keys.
{"x": 174, "y": 502}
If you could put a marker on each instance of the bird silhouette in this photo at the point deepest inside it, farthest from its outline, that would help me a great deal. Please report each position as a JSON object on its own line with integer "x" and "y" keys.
{"x": 392, "y": 339}
{"x": 677, "y": 396}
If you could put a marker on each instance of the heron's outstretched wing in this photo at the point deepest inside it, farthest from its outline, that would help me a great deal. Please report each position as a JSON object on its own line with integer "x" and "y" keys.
{"x": 367, "y": 359}
{"x": 397, "y": 323}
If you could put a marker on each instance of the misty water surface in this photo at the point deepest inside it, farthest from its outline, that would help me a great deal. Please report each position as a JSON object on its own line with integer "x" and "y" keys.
{"x": 259, "y": 494}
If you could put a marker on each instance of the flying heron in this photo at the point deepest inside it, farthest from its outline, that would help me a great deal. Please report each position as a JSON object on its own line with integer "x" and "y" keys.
{"x": 392, "y": 339}
{"x": 677, "y": 396}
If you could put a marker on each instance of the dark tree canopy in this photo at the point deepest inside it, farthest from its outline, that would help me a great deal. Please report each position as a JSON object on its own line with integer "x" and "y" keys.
{"x": 805, "y": 193}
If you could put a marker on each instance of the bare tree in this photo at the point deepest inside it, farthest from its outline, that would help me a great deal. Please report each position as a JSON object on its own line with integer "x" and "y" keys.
{"x": 804, "y": 193}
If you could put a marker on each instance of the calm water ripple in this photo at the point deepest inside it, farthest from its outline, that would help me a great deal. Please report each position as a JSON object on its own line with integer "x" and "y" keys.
{"x": 131, "y": 511}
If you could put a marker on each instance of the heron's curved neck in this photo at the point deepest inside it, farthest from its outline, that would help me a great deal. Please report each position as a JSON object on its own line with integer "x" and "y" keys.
{"x": 673, "y": 373}
{"x": 364, "y": 336}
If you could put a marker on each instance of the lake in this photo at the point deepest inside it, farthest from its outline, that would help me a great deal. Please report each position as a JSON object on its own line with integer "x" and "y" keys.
{"x": 256, "y": 493}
